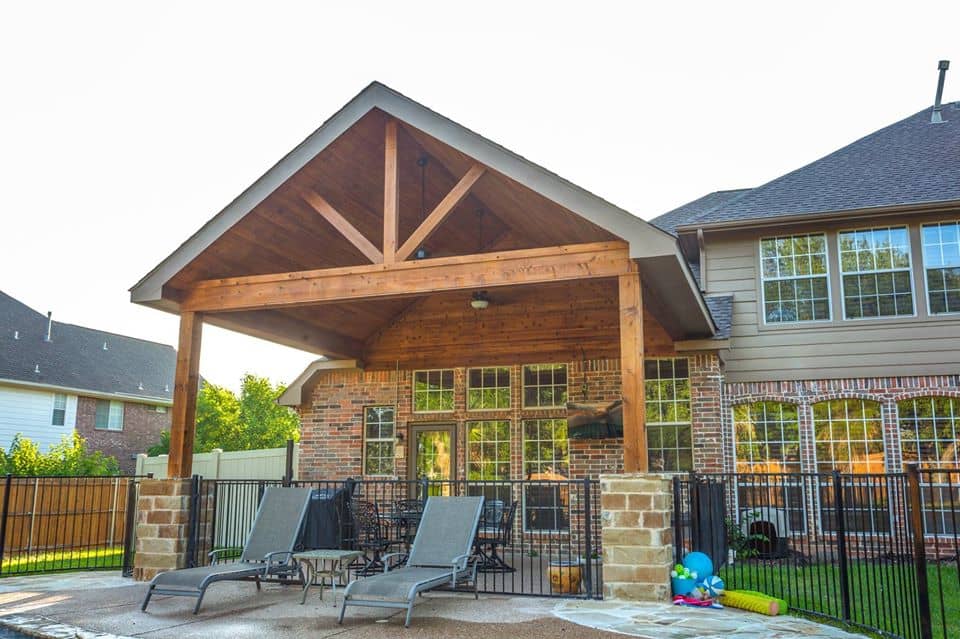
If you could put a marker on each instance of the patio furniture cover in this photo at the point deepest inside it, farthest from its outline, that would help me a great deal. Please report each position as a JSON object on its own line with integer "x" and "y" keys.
{"x": 439, "y": 556}
{"x": 267, "y": 552}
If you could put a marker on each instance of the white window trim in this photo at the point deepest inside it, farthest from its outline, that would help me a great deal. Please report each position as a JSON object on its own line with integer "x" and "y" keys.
{"x": 110, "y": 412}
{"x": 413, "y": 392}
{"x": 908, "y": 269}
{"x": 923, "y": 259}
{"x": 54, "y": 409}
{"x": 509, "y": 462}
{"x": 827, "y": 274}
{"x": 523, "y": 387}
{"x": 509, "y": 388}
{"x": 392, "y": 440}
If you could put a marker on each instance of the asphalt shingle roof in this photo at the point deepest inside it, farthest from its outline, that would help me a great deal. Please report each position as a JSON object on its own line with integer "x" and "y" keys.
{"x": 74, "y": 357}
{"x": 909, "y": 162}
{"x": 691, "y": 211}
{"x": 721, "y": 308}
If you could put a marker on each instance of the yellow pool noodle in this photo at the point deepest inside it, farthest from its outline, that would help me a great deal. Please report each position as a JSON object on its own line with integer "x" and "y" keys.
{"x": 751, "y": 601}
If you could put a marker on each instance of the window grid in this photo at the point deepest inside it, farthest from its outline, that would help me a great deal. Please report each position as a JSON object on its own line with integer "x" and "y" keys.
{"x": 378, "y": 440}
{"x": 546, "y": 457}
{"x": 488, "y": 388}
{"x": 849, "y": 436}
{"x": 930, "y": 431}
{"x": 488, "y": 450}
{"x": 433, "y": 391}
{"x": 876, "y": 273}
{"x": 545, "y": 386}
{"x": 941, "y": 262}
{"x": 767, "y": 437}
{"x": 795, "y": 278}
{"x": 667, "y": 391}
{"x": 59, "y": 409}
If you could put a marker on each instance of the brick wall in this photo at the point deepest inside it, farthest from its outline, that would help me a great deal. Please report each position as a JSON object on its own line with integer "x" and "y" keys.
{"x": 706, "y": 381}
{"x": 141, "y": 429}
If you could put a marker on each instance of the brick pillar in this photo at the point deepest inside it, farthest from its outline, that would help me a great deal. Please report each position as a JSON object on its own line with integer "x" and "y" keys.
{"x": 637, "y": 536}
{"x": 705, "y": 392}
{"x": 163, "y": 516}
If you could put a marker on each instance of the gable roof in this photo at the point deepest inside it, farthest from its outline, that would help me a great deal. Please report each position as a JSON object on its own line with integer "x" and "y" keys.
{"x": 658, "y": 251}
{"x": 910, "y": 162}
{"x": 74, "y": 358}
{"x": 691, "y": 211}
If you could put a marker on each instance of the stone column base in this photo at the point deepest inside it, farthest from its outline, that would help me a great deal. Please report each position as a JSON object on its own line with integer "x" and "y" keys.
{"x": 163, "y": 516}
{"x": 637, "y": 536}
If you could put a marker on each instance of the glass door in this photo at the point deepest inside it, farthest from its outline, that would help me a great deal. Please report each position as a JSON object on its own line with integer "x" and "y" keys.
{"x": 434, "y": 456}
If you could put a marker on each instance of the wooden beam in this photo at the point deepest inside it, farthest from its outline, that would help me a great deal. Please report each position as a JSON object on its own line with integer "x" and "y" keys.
{"x": 319, "y": 204}
{"x": 442, "y": 210}
{"x": 391, "y": 194}
{"x": 631, "y": 371}
{"x": 275, "y": 326}
{"x": 405, "y": 279}
{"x": 186, "y": 383}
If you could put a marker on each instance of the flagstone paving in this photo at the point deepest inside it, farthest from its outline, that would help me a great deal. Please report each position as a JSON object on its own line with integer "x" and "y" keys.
{"x": 666, "y": 621}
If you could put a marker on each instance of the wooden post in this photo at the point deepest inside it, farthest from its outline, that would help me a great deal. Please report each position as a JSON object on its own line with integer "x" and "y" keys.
{"x": 631, "y": 370}
{"x": 391, "y": 190}
{"x": 185, "y": 386}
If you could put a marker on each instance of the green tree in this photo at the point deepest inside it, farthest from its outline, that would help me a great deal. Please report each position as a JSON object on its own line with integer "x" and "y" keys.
{"x": 252, "y": 421}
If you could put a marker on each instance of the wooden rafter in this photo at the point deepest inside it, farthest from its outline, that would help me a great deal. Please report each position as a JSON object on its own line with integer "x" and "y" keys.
{"x": 391, "y": 194}
{"x": 319, "y": 204}
{"x": 442, "y": 210}
{"x": 405, "y": 279}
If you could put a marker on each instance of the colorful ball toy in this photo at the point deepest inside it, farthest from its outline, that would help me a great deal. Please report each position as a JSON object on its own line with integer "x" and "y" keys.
{"x": 699, "y": 563}
{"x": 713, "y": 586}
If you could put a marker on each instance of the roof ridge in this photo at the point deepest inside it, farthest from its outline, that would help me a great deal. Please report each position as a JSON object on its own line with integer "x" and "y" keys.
{"x": 113, "y": 333}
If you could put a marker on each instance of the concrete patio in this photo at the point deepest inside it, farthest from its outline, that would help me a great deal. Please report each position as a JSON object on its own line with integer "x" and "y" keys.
{"x": 104, "y": 603}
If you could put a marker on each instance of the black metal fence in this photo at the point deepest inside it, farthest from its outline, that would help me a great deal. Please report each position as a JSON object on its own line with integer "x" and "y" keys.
{"x": 877, "y": 552}
{"x": 553, "y": 547}
{"x": 50, "y": 524}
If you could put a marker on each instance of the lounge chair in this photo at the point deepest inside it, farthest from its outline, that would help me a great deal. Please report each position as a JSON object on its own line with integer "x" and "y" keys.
{"x": 268, "y": 551}
{"x": 439, "y": 556}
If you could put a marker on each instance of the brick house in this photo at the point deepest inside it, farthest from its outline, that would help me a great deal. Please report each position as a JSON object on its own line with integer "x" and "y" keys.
{"x": 56, "y": 378}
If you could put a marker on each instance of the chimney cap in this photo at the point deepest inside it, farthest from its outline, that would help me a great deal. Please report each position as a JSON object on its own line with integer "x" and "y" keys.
{"x": 943, "y": 65}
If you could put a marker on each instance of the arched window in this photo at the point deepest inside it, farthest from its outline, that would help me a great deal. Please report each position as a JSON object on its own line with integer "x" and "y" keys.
{"x": 849, "y": 436}
{"x": 767, "y": 437}
{"x": 930, "y": 430}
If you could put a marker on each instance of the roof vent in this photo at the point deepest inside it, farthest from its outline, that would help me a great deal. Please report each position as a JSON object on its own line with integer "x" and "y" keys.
{"x": 140, "y": 386}
{"x": 166, "y": 388}
{"x": 16, "y": 335}
{"x": 49, "y": 326}
{"x": 936, "y": 117}
{"x": 36, "y": 369}
{"x": 105, "y": 346}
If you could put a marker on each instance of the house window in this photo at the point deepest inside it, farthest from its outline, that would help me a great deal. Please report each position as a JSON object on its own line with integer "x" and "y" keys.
{"x": 941, "y": 261}
{"x": 767, "y": 440}
{"x": 59, "y": 409}
{"x": 545, "y": 386}
{"x": 488, "y": 458}
{"x": 488, "y": 388}
{"x": 930, "y": 431}
{"x": 109, "y": 415}
{"x": 667, "y": 389}
{"x": 767, "y": 437}
{"x": 849, "y": 438}
{"x": 794, "y": 277}
{"x": 546, "y": 462}
{"x": 378, "y": 440}
{"x": 875, "y": 270}
{"x": 433, "y": 391}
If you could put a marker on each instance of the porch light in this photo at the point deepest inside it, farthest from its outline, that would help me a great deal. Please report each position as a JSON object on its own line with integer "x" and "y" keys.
{"x": 480, "y": 300}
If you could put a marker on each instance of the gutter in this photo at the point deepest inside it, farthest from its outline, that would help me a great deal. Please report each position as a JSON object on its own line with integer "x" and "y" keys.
{"x": 138, "y": 399}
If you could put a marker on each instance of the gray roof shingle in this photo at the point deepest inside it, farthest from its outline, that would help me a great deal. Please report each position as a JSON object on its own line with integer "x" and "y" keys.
{"x": 74, "y": 357}
{"x": 909, "y": 162}
{"x": 721, "y": 308}
{"x": 691, "y": 211}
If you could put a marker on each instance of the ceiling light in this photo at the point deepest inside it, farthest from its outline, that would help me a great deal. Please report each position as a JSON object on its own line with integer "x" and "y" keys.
{"x": 480, "y": 300}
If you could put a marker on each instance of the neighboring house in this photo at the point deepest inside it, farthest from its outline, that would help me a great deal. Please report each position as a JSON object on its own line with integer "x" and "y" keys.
{"x": 115, "y": 391}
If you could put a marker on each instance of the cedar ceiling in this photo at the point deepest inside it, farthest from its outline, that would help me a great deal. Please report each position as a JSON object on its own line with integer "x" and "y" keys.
{"x": 284, "y": 233}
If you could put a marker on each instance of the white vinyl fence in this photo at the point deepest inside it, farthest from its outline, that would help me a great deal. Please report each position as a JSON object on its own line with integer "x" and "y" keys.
{"x": 268, "y": 463}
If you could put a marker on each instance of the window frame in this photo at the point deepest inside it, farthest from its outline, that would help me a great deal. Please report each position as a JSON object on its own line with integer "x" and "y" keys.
{"x": 828, "y": 274}
{"x": 379, "y": 440}
{"x": 509, "y": 388}
{"x": 923, "y": 260}
{"x": 63, "y": 411}
{"x": 915, "y": 441}
{"x": 909, "y": 269}
{"x": 452, "y": 389}
{"x": 523, "y": 386}
{"x": 560, "y": 484}
{"x": 798, "y": 465}
{"x": 675, "y": 424}
{"x": 111, "y": 405}
{"x": 469, "y": 425}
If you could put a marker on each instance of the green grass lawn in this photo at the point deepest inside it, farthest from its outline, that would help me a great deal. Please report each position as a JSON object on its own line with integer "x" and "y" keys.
{"x": 881, "y": 595}
{"x": 94, "y": 559}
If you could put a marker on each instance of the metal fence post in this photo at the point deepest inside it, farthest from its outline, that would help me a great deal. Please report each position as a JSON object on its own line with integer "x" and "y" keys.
{"x": 677, "y": 525}
{"x": 288, "y": 472}
{"x": 3, "y": 519}
{"x": 841, "y": 529}
{"x": 588, "y": 538}
{"x": 194, "y": 527}
{"x": 129, "y": 528}
{"x": 919, "y": 550}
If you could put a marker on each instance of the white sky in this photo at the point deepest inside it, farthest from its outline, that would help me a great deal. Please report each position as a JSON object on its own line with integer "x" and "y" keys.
{"x": 124, "y": 126}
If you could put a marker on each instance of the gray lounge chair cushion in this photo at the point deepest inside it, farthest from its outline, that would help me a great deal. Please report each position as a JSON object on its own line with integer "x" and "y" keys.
{"x": 278, "y": 522}
{"x": 396, "y": 585}
{"x": 189, "y": 578}
{"x": 446, "y": 531}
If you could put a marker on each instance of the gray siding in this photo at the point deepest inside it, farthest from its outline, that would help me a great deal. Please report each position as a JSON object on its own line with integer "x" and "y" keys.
{"x": 920, "y": 345}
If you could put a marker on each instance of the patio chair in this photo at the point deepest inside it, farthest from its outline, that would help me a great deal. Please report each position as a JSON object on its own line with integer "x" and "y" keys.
{"x": 268, "y": 551}
{"x": 371, "y": 534}
{"x": 439, "y": 556}
{"x": 495, "y": 530}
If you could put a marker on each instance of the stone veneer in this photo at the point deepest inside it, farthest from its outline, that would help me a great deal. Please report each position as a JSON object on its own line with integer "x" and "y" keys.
{"x": 163, "y": 516}
{"x": 635, "y": 512}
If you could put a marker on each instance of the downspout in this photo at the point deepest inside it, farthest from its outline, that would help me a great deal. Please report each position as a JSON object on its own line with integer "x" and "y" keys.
{"x": 703, "y": 260}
